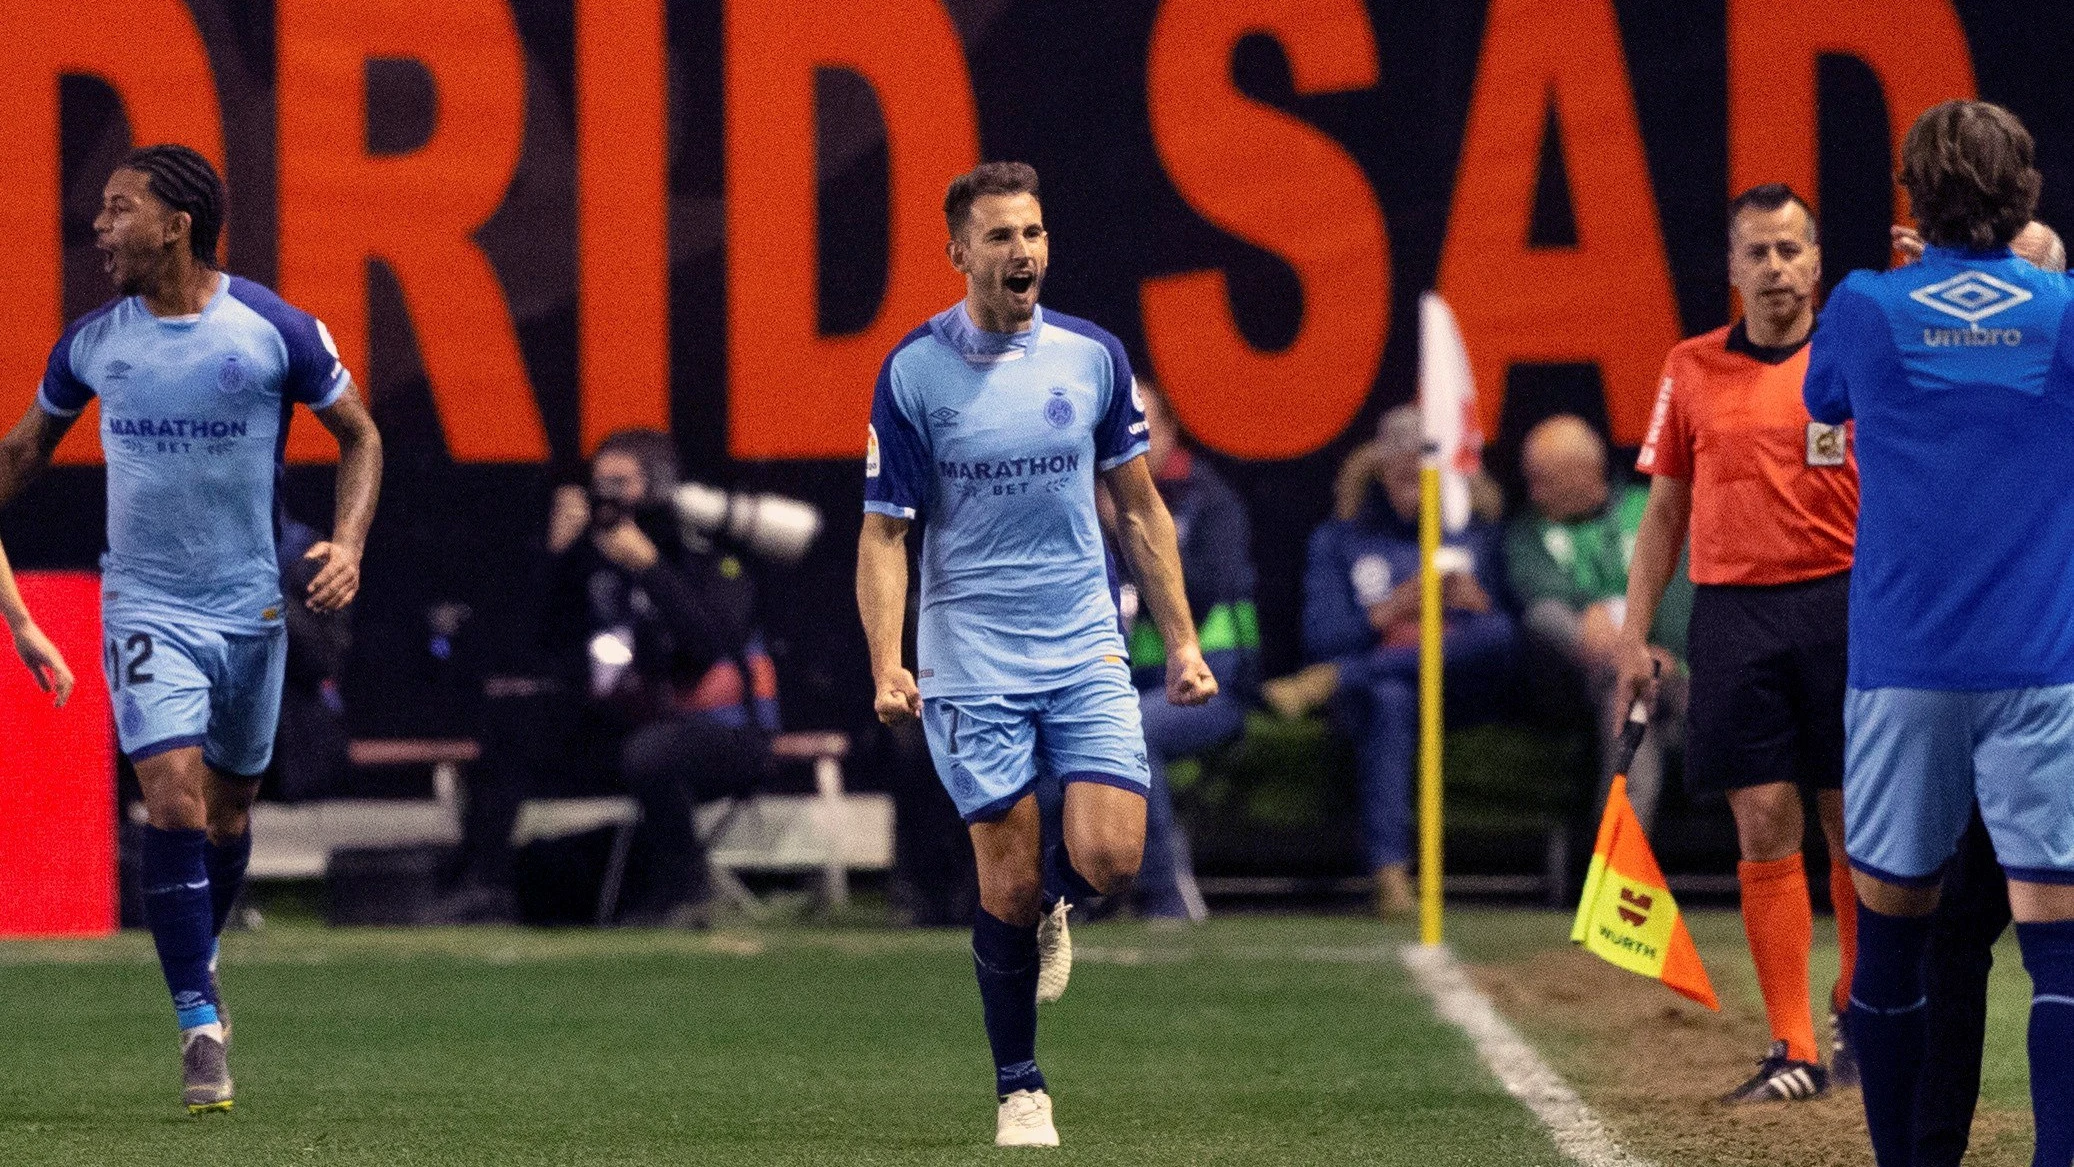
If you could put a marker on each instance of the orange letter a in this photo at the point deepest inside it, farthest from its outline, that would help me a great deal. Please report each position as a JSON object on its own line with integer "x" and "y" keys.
{"x": 1606, "y": 300}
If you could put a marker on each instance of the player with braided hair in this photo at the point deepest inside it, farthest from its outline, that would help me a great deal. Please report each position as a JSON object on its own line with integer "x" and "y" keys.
{"x": 195, "y": 370}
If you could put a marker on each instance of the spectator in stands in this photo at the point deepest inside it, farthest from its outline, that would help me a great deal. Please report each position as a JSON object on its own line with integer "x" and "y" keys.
{"x": 1566, "y": 559}
{"x": 655, "y": 682}
{"x": 1361, "y": 626}
{"x": 310, "y": 745}
{"x": 1216, "y": 541}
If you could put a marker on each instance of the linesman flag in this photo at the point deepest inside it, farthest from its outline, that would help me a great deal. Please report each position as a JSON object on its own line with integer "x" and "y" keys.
{"x": 1447, "y": 408}
{"x": 1627, "y": 915}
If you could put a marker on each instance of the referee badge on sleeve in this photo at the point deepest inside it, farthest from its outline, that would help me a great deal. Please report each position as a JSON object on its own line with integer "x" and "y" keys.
{"x": 1825, "y": 444}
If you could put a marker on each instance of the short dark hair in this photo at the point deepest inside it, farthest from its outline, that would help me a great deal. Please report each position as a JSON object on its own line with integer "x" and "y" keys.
{"x": 988, "y": 178}
{"x": 1967, "y": 168}
{"x": 1770, "y": 196}
{"x": 185, "y": 181}
{"x": 655, "y": 450}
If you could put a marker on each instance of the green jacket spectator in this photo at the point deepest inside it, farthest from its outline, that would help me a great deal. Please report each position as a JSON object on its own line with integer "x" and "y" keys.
{"x": 1566, "y": 560}
{"x": 1583, "y": 561}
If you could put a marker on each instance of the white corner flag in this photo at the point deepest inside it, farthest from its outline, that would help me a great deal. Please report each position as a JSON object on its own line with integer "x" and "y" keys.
{"x": 1447, "y": 407}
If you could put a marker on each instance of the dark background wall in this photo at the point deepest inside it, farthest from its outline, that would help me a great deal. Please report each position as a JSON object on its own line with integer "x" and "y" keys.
{"x": 1059, "y": 84}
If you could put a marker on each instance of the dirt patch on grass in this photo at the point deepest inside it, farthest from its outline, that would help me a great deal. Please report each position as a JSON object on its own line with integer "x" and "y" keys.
{"x": 1655, "y": 1065}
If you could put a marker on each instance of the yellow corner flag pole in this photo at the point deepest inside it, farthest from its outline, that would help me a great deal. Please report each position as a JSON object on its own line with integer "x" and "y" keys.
{"x": 1429, "y": 701}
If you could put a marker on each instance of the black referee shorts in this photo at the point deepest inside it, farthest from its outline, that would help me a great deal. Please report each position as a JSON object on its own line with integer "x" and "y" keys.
{"x": 1768, "y": 677}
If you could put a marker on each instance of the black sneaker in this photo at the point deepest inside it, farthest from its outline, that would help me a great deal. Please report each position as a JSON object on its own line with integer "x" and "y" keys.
{"x": 206, "y": 1071}
{"x": 1843, "y": 1060}
{"x": 1781, "y": 1079}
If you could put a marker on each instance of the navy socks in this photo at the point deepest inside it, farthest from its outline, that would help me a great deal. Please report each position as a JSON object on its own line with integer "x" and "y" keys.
{"x": 1887, "y": 1024}
{"x": 1004, "y": 957}
{"x": 177, "y": 906}
{"x": 2049, "y": 958}
{"x": 226, "y": 865}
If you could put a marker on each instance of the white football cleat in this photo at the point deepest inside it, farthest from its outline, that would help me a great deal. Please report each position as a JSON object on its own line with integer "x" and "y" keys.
{"x": 1054, "y": 953}
{"x": 1024, "y": 1120}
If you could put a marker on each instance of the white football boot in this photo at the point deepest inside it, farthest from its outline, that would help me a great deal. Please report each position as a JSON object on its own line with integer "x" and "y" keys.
{"x": 1024, "y": 1120}
{"x": 1054, "y": 954}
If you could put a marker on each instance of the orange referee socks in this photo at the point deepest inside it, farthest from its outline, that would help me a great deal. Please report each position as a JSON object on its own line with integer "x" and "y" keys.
{"x": 1781, "y": 926}
{"x": 1845, "y": 898}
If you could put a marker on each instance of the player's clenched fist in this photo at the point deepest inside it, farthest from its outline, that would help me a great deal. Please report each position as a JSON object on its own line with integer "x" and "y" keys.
{"x": 898, "y": 699}
{"x": 1189, "y": 680}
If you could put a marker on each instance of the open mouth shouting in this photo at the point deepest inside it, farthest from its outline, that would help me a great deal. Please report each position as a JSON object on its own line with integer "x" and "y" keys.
{"x": 1020, "y": 282}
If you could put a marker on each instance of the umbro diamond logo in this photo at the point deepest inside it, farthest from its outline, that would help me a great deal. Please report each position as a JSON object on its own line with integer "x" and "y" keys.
{"x": 944, "y": 416}
{"x": 1971, "y": 296}
{"x": 117, "y": 370}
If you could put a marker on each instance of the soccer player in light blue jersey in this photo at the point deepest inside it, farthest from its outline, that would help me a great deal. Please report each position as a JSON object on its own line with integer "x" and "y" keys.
{"x": 196, "y": 371}
{"x": 1956, "y": 372}
{"x": 988, "y": 427}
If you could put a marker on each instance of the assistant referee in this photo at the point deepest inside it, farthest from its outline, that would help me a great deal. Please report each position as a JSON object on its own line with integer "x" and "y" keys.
{"x": 1771, "y": 500}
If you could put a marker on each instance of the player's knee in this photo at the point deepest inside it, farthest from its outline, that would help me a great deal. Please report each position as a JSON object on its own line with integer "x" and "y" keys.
{"x": 227, "y": 821}
{"x": 175, "y": 808}
{"x": 1110, "y": 863}
{"x": 1011, "y": 897}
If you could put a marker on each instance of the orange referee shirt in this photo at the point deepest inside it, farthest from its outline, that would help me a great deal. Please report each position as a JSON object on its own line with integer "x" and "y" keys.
{"x": 1774, "y": 492}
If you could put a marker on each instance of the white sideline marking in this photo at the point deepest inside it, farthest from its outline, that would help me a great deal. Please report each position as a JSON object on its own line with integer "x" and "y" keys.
{"x": 1576, "y": 1128}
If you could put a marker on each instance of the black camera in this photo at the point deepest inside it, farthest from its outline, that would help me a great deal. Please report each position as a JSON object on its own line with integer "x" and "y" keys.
{"x": 654, "y": 517}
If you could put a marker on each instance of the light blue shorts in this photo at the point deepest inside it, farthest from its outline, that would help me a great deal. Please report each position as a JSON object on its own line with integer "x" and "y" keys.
{"x": 990, "y": 751}
{"x": 173, "y": 685}
{"x": 1917, "y": 759}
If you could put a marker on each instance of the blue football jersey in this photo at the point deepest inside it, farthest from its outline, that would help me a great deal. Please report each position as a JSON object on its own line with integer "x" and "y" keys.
{"x": 992, "y": 442}
{"x": 1956, "y": 371}
{"x": 194, "y": 419}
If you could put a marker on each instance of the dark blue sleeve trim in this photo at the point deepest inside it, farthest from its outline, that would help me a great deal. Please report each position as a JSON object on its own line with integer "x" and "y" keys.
{"x": 315, "y": 375}
{"x": 64, "y": 392}
{"x": 898, "y": 485}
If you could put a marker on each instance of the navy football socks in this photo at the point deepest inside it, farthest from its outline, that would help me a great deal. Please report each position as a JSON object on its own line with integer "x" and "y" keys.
{"x": 1004, "y": 957}
{"x": 177, "y": 906}
{"x": 226, "y": 864}
{"x": 1887, "y": 1024}
{"x": 2049, "y": 957}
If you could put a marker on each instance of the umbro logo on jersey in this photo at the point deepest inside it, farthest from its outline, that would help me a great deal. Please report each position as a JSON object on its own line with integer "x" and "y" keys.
{"x": 943, "y": 416}
{"x": 1971, "y": 296}
{"x": 117, "y": 370}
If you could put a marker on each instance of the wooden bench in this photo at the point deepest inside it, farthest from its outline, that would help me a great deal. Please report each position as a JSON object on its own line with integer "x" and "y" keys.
{"x": 831, "y": 831}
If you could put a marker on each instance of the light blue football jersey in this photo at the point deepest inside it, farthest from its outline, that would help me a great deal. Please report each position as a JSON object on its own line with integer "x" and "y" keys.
{"x": 194, "y": 420}
{"x": 992, "y": 442}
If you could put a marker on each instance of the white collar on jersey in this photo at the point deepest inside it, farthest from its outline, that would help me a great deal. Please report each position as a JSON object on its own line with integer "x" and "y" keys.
{"x": 222, "y": 286}
{"x": 955, "y": 327}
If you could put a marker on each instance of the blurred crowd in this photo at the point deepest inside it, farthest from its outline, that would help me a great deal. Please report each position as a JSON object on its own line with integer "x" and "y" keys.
{"x": 644, "y": 672}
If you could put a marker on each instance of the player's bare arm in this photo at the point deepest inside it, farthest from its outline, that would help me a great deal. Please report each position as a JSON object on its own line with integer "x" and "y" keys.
{"x": 1657, "y": 543}
{"x": 1146, "y": 532}
{"x": 45, "y": 662}
{"x": 26, "y": 450}
{"x": 359, "y": 484}
{"x": 24, "y": 453}
{"x": 882, "y": 603}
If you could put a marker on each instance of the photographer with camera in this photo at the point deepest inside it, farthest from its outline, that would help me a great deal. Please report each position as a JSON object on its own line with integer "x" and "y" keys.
{"x": 654, "y": 681}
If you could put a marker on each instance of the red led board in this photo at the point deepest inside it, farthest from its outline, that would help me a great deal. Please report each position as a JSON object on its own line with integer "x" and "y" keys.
{"x": 57, "y": 774}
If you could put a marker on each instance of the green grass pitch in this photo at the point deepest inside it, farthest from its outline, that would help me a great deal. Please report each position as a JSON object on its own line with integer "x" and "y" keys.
{"x": 1286, "y": 1040}
{"x": 1253, "y": 1040}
